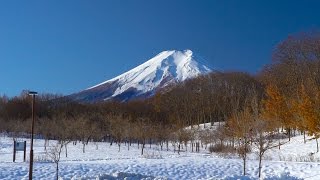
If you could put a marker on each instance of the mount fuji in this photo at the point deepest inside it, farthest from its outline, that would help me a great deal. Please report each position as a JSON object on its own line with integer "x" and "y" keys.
{"x": 165, "y": 69}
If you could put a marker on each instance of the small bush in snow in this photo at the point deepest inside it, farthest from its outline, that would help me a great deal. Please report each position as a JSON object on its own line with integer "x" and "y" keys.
{"x": 283, "y": 176}
{"x": 42, "y": 158}
{"x": 152, "y": 155}
{"x": 299, "y": 158}
{"x": 220, "y": 148}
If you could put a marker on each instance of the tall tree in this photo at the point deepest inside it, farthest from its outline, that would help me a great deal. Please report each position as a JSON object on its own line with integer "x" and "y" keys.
{"x": 276, "y": 107}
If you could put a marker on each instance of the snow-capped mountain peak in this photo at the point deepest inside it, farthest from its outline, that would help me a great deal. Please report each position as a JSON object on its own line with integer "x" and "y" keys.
{"x": 165, "y": 68}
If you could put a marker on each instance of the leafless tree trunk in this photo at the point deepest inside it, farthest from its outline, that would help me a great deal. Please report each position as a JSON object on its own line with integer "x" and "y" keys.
{"x": 65, "y": 146}
{"x": 54, "y": 154}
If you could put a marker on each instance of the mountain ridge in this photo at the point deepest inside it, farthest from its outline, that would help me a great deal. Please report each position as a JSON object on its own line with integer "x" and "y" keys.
{"x": 166, "y": 68}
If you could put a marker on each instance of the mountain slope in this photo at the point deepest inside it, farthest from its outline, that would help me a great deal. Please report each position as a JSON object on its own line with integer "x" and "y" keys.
{"x": 166, "y": 68}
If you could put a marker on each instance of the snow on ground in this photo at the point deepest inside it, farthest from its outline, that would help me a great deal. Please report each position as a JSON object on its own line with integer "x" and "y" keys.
{"x": 102, "y": 161}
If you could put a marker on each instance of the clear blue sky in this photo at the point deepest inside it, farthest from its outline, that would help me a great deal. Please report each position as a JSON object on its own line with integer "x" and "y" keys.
{"x": 68, "y": 45}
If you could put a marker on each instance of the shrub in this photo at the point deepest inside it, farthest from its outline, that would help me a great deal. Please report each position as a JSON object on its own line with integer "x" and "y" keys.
{"x": 221, "y": 148}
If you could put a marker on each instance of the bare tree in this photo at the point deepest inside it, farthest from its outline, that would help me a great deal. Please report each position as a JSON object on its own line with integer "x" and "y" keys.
{"x": 118, "y": 128}
{"x": 264, "y": 139}
{"x": 241, "y": 124}
{"x": 54, "y": 154}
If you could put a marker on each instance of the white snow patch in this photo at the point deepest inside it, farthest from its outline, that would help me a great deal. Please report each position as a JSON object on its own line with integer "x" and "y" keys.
{"x": 105, "y": 162}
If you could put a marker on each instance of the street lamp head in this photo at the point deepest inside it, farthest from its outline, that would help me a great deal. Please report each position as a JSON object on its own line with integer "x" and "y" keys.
{"x": 32, "y": 93}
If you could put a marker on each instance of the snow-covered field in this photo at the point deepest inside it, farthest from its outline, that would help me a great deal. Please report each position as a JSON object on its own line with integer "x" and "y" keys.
{"x": 102, "y": 161}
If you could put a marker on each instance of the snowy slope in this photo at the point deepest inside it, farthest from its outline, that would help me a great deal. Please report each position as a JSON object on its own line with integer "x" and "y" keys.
{"x": 166, "y": 68}
{"x": 102, "y": 161}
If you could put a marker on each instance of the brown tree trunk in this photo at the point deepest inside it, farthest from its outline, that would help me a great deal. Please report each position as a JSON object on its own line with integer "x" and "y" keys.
{"x": 57, "y": 170}
{"x": 317, "y": 145}
{"x": 279, "y": 143}
{"x": 233, "y": 142}
{"x": 45, "y": 144}
{"x": 245, "y": 156}
{"x": 244, "y": 165}
{"x": 65, "y": 146}
{"x": 191, "y": 146}
{"x": 142, "y": 148}
{"x": 260, "y": 165}
{"x": 289, "y": 132}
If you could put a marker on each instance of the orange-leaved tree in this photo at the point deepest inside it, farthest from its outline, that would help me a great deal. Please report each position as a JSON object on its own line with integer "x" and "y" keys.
{"x": 277, "y": 109}
{"x": 308, "y": 111}
{"x": 304, "y": 113}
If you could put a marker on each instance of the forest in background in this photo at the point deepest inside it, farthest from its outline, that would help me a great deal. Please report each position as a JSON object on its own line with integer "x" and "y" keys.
{"x": 257, "y": 110}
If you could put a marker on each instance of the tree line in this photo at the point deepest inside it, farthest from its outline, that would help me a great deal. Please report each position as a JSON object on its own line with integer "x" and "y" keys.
{"x": 257, "y": 109}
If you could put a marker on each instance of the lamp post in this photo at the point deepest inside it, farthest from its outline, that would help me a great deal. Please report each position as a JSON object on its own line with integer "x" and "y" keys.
{"x": 33, "y": 94}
